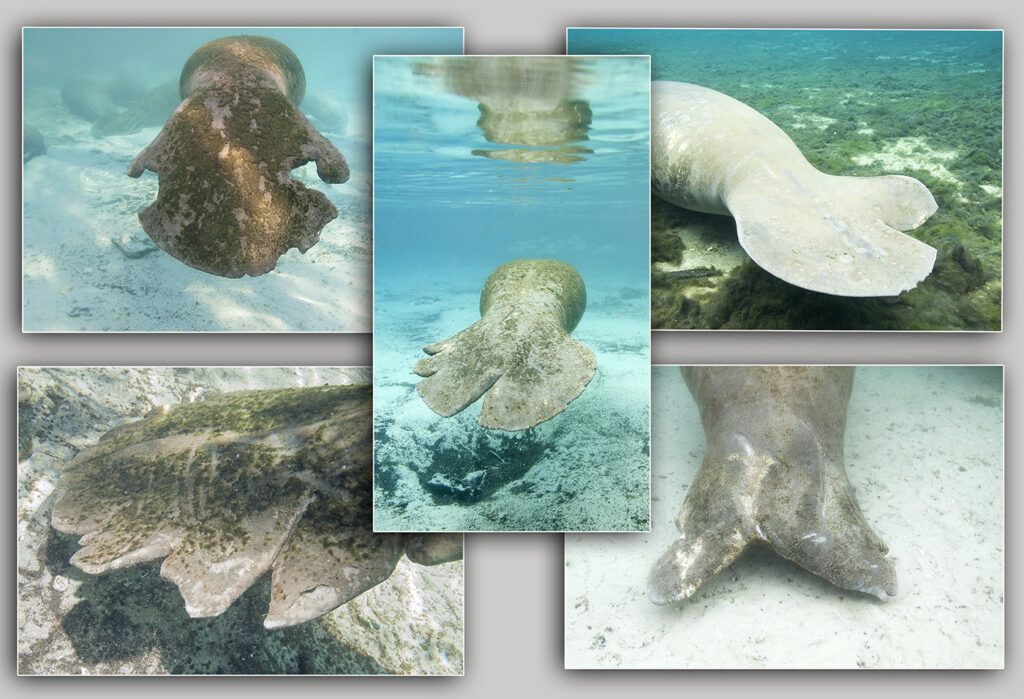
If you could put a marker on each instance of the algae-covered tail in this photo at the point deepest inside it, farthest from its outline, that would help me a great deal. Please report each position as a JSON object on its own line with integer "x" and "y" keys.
{"x": 227, "y": 202}
{"x": 519, "y": 353}
{"x": 226, "y": 488}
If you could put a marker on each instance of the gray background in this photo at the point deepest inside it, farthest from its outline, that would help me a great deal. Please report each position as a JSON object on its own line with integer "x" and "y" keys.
{"x": 514, "y": 582}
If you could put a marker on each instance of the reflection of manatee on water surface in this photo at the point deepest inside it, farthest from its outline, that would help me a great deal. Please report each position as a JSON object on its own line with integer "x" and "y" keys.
{"x": 229, "y": 487}
{"x": 830, "y": 234}
{"x": 519, "y": 353}
{"x": 227, "y": 202}
{"x": 773, "y": 473}
{"x": 524, "y": 101}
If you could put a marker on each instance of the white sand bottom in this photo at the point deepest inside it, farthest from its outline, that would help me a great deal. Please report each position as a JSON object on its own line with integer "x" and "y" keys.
{"x": 924, "y": 450}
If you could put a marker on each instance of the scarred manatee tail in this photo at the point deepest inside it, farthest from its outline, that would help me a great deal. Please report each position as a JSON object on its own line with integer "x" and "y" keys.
{"x": 459, "y": 370}
{"x": 837, "y": 235}
{"x": 526, "y": 382}
{"x": 691, "y": 560}
{"x": 539, "y": 384}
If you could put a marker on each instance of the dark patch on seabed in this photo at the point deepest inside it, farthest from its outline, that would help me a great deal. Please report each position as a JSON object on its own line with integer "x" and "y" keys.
{"x": 125, "y": 614}
{"x": 466, "y": 469}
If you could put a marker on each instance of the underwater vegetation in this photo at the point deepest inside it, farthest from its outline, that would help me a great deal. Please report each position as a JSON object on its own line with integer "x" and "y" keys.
{"x": 860, "y": 103}
{"x": 465, "y": 469}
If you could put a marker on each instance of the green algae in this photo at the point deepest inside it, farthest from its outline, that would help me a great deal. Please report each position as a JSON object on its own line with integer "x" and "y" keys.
{"x": 239, "y": 412}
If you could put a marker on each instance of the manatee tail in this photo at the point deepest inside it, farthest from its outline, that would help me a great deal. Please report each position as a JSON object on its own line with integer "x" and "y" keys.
{"x": 814, "y": 522}
{"x": 433, "y": 549}
{"x": 538, "y": 383}
{"x": 458, "y": 371}
{"x": 690, "y": 560}
{"x": 837, "y": 235}
{"x": 526, "y": 381}
{"x": 824, "y": 531}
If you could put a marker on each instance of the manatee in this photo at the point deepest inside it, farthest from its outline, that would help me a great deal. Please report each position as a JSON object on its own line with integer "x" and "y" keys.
{"x": 32, "y": 142}
{"x": 227, "y": 203}
{"x": 519, "y": 353}
{"x": 87, "y": 99}
{"x": 151, "y": 107}
{"x": 524, "y": 101}
{"x": 227, "y": 488}
{"x": 834, "y": 235}
{"x": 124, "y": 92}
{"x": 772, "y": 474}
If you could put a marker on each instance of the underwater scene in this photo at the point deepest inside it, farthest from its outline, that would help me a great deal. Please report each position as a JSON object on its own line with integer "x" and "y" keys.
{"x": 798, "y": 250}
{"x": 898, "y": 558}
{"x": 511, "y": 294}
{"x": 212, "y": 520}
{"x": 216, "y": 241}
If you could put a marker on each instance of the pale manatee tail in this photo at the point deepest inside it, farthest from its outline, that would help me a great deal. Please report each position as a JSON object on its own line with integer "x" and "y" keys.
{"x": 526, "y": 381}
{"x": 342, "y": 562}
{"x": 853, "y": 559}
{"x": 458, "y": 370}
{"x": 814, "y": 522}
{"x": 837, "y": 235}
{"x": 691, "y": 560}
{"x": 433, "y": 549}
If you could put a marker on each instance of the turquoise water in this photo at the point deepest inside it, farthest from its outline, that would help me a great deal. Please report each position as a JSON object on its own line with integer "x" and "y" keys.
{"x": 80, "y": 207}
{"x": 457, "y": 194}
{"x": 927, "y": 104}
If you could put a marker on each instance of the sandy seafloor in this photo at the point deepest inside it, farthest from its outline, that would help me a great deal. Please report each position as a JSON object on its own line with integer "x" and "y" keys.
{"x": 924, "y": 450}
{"x": 593, "y": 469}
{"x": 78, "y": 200}
{"x": 134, "y": 622}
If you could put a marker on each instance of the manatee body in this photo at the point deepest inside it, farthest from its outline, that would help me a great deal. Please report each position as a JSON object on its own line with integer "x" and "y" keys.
{"x": 835, "y": 235}
{"x": 124, "y": 92}
{"x": 227, "y": 203}
{"x": 523, "y": 101}
{"x": 519, "y": 353}
{"x": 32, "y": 143}
{"x": 773, "y": 473}
{"x": 150, "y": 107}
{"x": 87, "y": 99}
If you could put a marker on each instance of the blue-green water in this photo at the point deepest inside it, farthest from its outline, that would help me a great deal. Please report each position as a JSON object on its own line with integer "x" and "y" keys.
{"x": 922, "y": 103}
{"x": 461, "y": 188}
{"x": 80, "y": 206}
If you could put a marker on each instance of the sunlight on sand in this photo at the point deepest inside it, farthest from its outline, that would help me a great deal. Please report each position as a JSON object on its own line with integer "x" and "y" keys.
{"x": 912, "y": 153}
{"x": 40, "y": 266}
